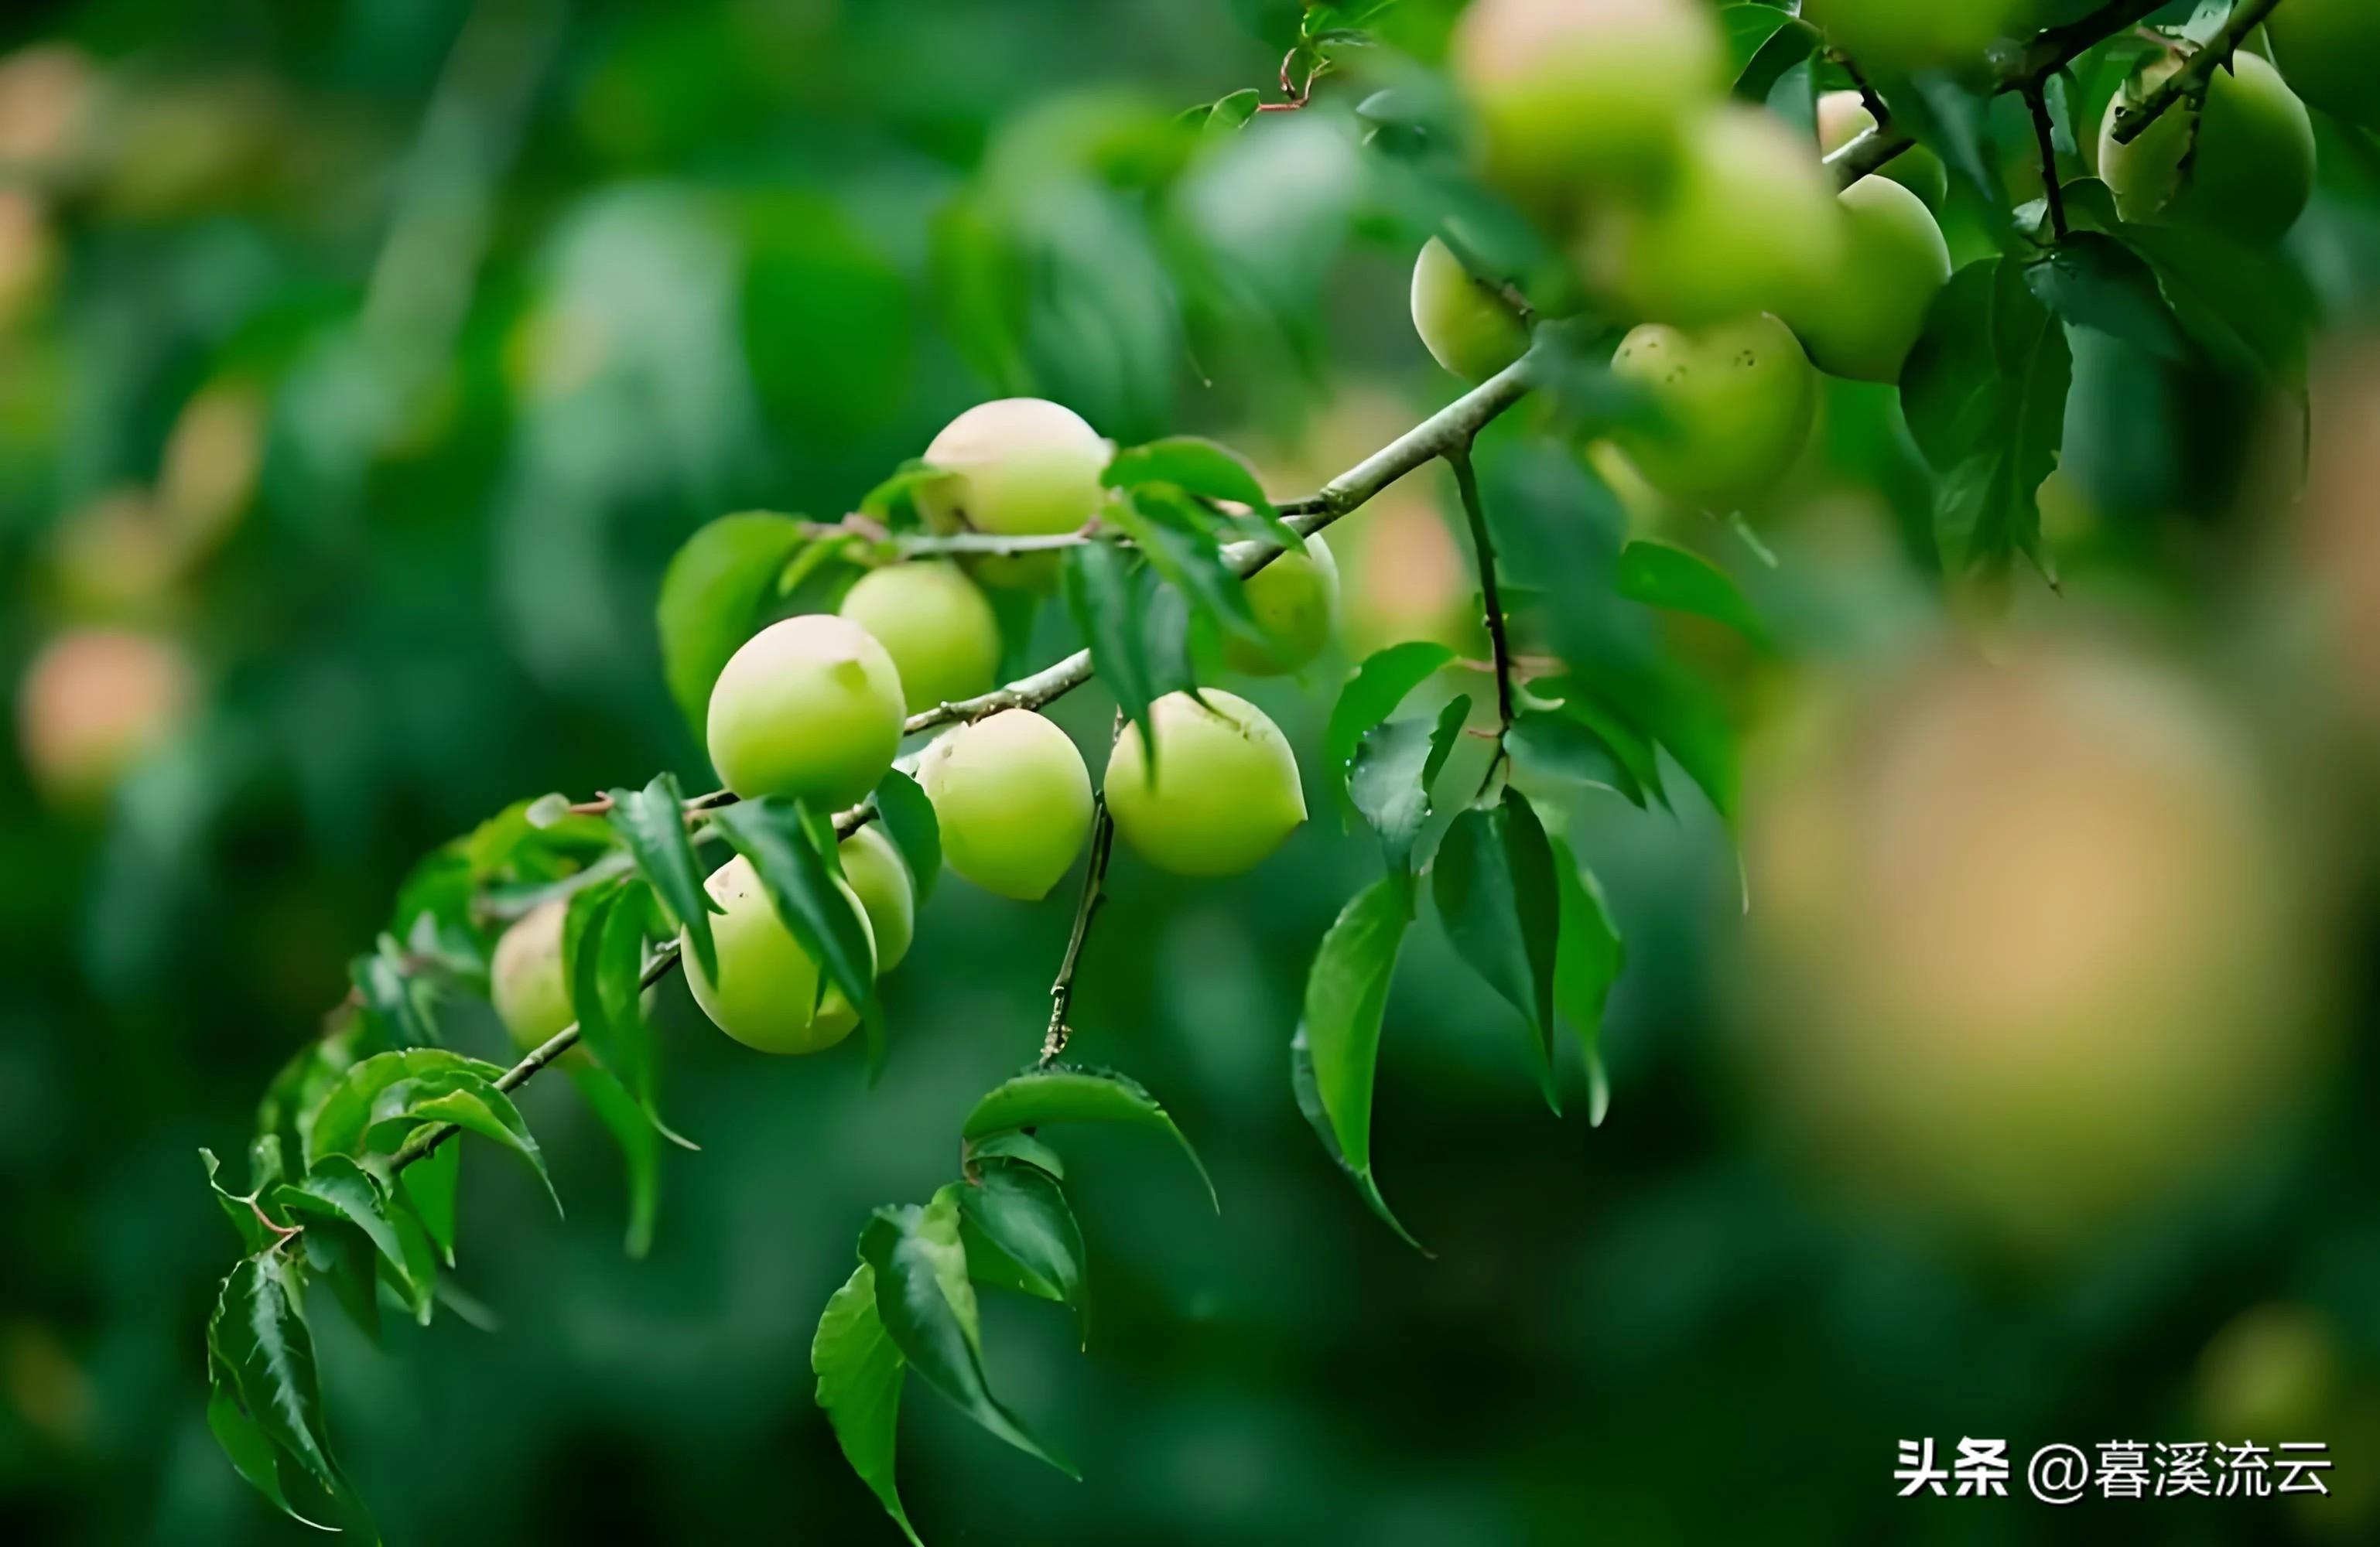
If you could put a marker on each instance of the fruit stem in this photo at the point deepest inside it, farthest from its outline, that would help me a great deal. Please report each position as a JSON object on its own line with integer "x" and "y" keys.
{"x": 1467, "y": 483}
{"x": 1095, "y": 875}
{"x": 2044, "y": 135}
{"x": 2190, "y": 80}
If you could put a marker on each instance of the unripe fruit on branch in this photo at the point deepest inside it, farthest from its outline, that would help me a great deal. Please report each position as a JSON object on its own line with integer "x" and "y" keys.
{"x": 93, "y": 704}
{"x": 1296, "y": 599}
{"x": 524, "y": 977}
{"x": 768, "y": 985}
{"x": 1584, "y": 91}
{"x": 1735, "y": 404}
{"x": 1467, "y": 327}
{"x": 2330, "y": 51}
{"x": 1914, "y": 34}
{"x": 1895, "y": 262}
{"x": 1749, "y": 224}
{"x": 1013, "y": 800}
{"x": 1019, "y": 467}
{"x": 809, "y": 707}
{"x": 1226, "y": 791}
{"x": 1843, "y": 117}
{"x": 943, "y": 636}
{"x": 2242, "y": 165}
{"x": 880, "y": 879}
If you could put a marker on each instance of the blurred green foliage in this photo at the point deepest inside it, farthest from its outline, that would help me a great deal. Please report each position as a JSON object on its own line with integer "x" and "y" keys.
{"x": 378, "y": 356}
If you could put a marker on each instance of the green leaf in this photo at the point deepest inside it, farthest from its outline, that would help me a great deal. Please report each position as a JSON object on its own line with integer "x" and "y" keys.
{"x": 908, "y": 819}
{"x": 1303, "y": 1085}
{"x": 238, "y": 1207}
{"x": 1062, "y": 1093}
{"x": 1501, "y": 906}
{"x": 1550, "y": 744}
{"x": 1660, "y": 575}
{"x": 1198, "y": 466}
{"x": 1373, "y": 694}
{"x": 1951, "y": 119}
{"x": 1019, "y": 1230}
{"x": 339, "y": 1119}
{"x": 251, "y": 1454}
{"x": 1108, "y": 607}
{"x": 776, "y": 836}
{"x": 1984, "y": 395}
{"x": 653, "y": 823}
{"x": 477, "y": 1106}
{"x": 428, "y": 1187}
{"x": 859, "y": 1374}
{"x": 1763, "y": 42}
{"x": 1388, "y": 787}
{"x": 340, "y": 1189}
{"x": 712, "y": 597}
{"x": 927, "y": 1306}
{"x": 1232, "y": 113}
{"x": 1018, "y": 1146}
{"x": 1337, "y": 1047}
{"x": 1444, "y": 736}
{"x": 603, "y": 963}
{"x": 264, "y": 1354}
{"x": 397, "y": 1000}
{"x": 641, "y": 1147}
{"x": 2094, "y": 281}
{"x": 1587, "y": 961}
{"x": 1189, "y": 558}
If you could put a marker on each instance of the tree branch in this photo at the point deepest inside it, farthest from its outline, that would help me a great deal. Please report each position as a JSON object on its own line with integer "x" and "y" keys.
{"x": 2023, "y": 70}
{"x": 2192, "y": 79}
{"x": 1447, "y": 433}
{"x": 1475, "y": 514}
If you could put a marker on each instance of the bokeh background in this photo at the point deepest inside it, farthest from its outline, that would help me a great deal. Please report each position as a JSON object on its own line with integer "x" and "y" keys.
{"x": 362, "y": 362}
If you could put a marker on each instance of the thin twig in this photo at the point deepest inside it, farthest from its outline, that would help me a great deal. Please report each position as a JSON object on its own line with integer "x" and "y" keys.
{"x": 1467, "y": 483}
{"x": 2018, "y": 71}
{"x": 1095, "y": 875}
{"x": 2045, "y": 135}
{"x": 2192, "y": 80}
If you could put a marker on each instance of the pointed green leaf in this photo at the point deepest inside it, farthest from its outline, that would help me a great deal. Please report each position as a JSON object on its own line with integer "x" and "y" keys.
{"x": 1106, "y": 602}
{"x": 337, "y": 1188}
{"x": 1660, "y": 574}
{"x": 653, "y": 822}
{"x": 1302, "y": 1085}
{"x": 1373, "y": 694}
{"x": 1062, "y": 1093}
{"x": 1020, "y": 1232}
{"x": 1501, "y": 906}
{"x": 907, "y": 817}
{"x": 258, "y": 1336}
{"x": 710, "y": 600}
{"x": 927, "y": 1306}
{"x": 428, "y": 1187}
{"x": 1346, "y": 996}
{"x": 337, "y": 1123}
{"x": 775, "y": 835}
{"x": 1387, "y": 787}
{"x": 1586, "y": 963}
{"x": 859, "y": 1374}
{"x": 238, "y": 1207}
{"x": 2092, "y": 281}
{"x": 641, "y": 1147}
{"x": 478, "y": 1108}
{"x": 1203, "y": 467}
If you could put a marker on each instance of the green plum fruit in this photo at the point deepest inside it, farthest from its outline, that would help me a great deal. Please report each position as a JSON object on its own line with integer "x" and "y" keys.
{"x": 2330, "y": 51}
{"x": 1895, "y": 262}
{"x": 935, "y": 623}
{"x": 1018, "y": 466}
{"x": 2242, "y": 165}
{"x": 1735, "y": 405}
{"x": 1467, "y": 326}
{"x": 1749, "y": 224}
{"x": 1224, "y": 792}
{"x": 1295, "y": 597}
{"x": 809, "y": 707}
{"x": 766, "y": 995}
{"x": 1583, "y": 94}
{"x": 879, "y": 878}
{"x": 1920, "y": 34}
{"x": 525, "y": 978}
{"x": 1013, "y": 800}
{"x": 1843, "y": 117}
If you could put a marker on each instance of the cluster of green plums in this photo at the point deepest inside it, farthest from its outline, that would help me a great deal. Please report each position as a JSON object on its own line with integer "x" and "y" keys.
{"x": 813, "y": 707}
{"x": 1715, "y": 226}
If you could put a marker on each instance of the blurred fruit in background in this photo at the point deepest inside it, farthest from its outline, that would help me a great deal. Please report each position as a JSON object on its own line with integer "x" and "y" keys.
{"x": 2026, "y": 943}
{"x": 95, "y": 701}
